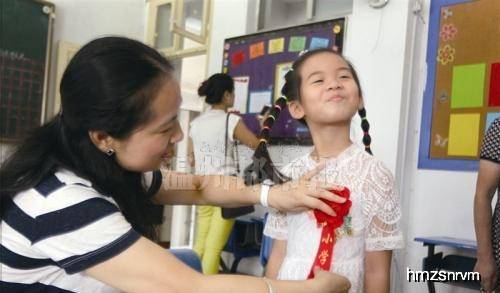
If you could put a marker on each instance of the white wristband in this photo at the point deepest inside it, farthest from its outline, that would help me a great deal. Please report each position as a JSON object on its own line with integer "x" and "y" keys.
{"x": 264, "y": 192}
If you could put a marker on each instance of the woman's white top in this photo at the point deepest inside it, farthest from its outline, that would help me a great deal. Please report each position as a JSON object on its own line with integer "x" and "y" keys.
{"x": 208, "y": 134}
{"x": 374, "y": 217}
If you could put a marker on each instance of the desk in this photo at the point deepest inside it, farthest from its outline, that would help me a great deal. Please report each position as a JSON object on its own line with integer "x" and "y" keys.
{"x": 454, "y": 263}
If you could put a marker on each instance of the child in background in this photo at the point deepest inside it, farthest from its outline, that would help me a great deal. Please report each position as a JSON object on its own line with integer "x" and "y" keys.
{"x": 323, "y": 91}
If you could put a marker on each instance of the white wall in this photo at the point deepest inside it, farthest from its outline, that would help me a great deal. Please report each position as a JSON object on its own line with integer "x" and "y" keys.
{"x": 229, "y": 19}
{"x": 437, "y": 203}
{"x": 79, "y": 22}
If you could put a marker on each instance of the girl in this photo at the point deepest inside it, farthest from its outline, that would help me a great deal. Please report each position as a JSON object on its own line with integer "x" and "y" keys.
{"x": 74, "y": 199}
{"x": 323, "y": 91}
{"x": 210, "y": 134}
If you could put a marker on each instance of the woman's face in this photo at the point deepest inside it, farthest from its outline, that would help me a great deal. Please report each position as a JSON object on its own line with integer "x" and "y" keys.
{"x": 153, "y": 143}
{"x": 329, "y": 93}
{"x": 229, "y": 96}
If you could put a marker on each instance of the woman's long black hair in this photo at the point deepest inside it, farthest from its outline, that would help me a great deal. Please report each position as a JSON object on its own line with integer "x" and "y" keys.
{"x": 262, "y": 168}
{"x": 109, "y": 85}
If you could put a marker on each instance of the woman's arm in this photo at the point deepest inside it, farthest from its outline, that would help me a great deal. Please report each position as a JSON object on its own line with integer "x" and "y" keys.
{"x": 146, "y": 267}
{"x": 229, "y": 191}
{"x": 377, "y": 271}
{"x": 278, "y": 252}
{"x": 190, "y": 156}
{"x": 487, "y": 183}
{"x": 245, "y": 136}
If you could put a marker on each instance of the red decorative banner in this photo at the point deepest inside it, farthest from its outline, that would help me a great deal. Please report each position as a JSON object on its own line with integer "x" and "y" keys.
{"x": 329, "y": 223}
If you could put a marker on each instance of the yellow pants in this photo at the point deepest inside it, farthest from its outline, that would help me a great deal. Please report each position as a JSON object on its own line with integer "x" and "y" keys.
{"x": 212, "y": 232}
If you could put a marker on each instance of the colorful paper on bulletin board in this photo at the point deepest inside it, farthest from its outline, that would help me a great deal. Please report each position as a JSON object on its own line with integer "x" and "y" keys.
{"x": 462, "y": 82}
{"x": 241, "y": 93}
{"x": 490, "y": 118}
{"x": 262, "y": 70}
{"x": 276, "y": 45}
{"x": 494, "y": 97}
{"x": 297, "y": 44}
{"x": 237, "y": 58}
{"x": 257, "y": 100}
{"x": 256, "y": 50}
{"x": 318, "y": 43}
{"x": 467, "y": 86}
{"x": 281, "y": 70}
{"x": 463, "y": 135}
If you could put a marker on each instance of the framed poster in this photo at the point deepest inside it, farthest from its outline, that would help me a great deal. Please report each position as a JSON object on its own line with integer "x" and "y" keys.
{"x": 265, "y": 58}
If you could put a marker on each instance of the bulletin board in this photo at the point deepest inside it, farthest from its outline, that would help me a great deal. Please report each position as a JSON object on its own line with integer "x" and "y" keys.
{"x": 462, "y": 95}
{"x": 258, "y": 63}
{"x": 25, "y": 41}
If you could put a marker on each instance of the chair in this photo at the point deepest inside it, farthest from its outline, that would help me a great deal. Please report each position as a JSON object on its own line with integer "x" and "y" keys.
{"x": 267, "y": 244}
{"x": 244, "y": 241}
{"x": 188, "y": 257}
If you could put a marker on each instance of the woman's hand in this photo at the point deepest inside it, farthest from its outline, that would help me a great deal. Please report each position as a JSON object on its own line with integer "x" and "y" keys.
{"x": 326, "y": 282}
{"x": 486, "y": 267}
{"x": 303, "y": 194}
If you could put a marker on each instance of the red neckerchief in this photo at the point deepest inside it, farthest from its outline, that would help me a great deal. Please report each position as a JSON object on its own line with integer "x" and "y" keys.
{"x": 328, "y": 224}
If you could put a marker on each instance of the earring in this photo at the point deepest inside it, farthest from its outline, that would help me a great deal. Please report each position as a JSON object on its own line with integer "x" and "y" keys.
{"x": 110, "y": 152}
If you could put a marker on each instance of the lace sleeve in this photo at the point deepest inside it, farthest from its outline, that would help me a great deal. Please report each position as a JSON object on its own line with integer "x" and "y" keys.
{"x": 276, "y": 225}
{"x": 384, "y": 211}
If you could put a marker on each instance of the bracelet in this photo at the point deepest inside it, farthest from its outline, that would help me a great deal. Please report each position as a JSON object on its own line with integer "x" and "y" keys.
{"x": 264, "y": 194}
{"x": 269, "y": 285}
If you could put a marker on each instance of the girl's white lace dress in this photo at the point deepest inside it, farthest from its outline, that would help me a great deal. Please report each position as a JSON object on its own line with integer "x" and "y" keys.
{"x": 372, "y": 223}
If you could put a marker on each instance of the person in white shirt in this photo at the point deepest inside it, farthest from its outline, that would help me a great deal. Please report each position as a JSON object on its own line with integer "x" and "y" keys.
{"x": 323, "y": 91}
{"x": 212, "y": 136}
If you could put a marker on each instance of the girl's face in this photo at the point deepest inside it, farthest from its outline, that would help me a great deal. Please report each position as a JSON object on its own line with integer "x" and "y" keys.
{"x": 328, "y": 92}
{"x": 147, "y": 147}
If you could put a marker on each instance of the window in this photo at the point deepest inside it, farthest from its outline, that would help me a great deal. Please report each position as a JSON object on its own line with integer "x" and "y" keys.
{"x": 171, "y": 23}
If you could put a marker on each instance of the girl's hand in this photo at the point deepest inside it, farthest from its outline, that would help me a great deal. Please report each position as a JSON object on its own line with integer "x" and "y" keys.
{"x": 487, "y": 269}
{"x": 324, "y": 282}
{"x": 303, "y": 194}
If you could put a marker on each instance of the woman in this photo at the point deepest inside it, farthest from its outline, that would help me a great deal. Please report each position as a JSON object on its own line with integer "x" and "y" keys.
{"x": 212, "y": 137}
{"x": 75, "y": 203}
{"x": 488, "y": 227}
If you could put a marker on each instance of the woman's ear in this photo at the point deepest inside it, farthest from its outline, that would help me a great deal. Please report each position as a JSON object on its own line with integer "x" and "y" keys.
{"x": 227, "y": 96}
{"x": 101, "y": 140}
{"x": 296, "y": 110}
